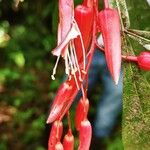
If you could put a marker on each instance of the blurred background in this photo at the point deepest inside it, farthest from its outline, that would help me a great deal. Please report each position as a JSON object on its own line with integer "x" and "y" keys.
{"x": 27, "y": 35}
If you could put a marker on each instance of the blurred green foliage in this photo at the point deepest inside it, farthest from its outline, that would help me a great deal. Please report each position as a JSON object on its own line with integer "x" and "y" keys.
{"x": 27, "y": 34}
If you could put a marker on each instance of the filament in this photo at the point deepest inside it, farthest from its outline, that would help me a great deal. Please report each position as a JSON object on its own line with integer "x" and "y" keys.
{"x": 67, "y": 68}
{"x": 76, "y": 61}
{"x": 73, "y": 71}
{"x": 83, "y": 49}
{"x": 55, "y": 67}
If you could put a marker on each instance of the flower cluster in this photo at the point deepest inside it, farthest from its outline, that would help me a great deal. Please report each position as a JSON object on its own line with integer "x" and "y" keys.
{"x": 78, "y": 29}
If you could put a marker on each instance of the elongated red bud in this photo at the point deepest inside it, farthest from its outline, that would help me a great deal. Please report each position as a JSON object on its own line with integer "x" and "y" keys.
{"x": 59, "y": 102}
{"x": 59, "y": 146}
{"x": 68, "y": 142}
{"x": 55, "y": 134}
{"x": 109, "y": 25}
{"x": 143, "y": 60}
{"x": 85, "y": 135}
{"x": 84, "y": 19}
{"x": 81, "y": 112}
{"x": 64, "y": 98}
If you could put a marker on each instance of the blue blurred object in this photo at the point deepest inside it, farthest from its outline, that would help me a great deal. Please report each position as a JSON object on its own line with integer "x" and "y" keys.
{"x": 110, "y": 99}
{"x": 110, "y": 102}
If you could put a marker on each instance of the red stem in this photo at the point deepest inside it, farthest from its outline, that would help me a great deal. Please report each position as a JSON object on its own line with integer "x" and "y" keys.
{"x": 57, "y": 131}
{"x": 83, "y": 92}
{"x": 88, "y": 3}
{"x": 106, "y": 4}
{"x": 87, "y": 82}
{"x": 69, "y": 121}
{"x": 84, "y": 98}
{"x": 92, "y": 48}
{"x": 130, "y": 58}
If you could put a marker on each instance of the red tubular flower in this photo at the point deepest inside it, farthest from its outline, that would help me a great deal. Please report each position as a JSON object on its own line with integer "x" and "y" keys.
{"x": 109, "y": 25}
{"x": 68, "y": 30}
{"x": 67, "y": 92}
{"x": 68, "y": 142}
{"x": 55, "y": 134}
{"x": 60, "y": 101}
{"x": 63, "y": 100}
{"x": 85, "y": 135}
{"x": 143, "y": 60}
{"x": 84, "y": 19}
{"x": 81, "y": 112}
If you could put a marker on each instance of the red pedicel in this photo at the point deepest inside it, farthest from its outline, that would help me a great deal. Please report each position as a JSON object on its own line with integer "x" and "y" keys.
{"x": 81, "y": 112}
{"x": 143, "y": 60}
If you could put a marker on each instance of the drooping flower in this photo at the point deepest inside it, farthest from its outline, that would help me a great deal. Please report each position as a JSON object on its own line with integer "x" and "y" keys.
{"x": 109, "y": 24}
{"x": 68, "y": 30}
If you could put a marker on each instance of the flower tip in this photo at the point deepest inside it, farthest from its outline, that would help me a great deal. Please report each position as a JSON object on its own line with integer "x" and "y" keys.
{"x": 56, "y": 52}
{"x": 115, "y": 76}
{"x": 116, "y": 82}
{"x": 49, "y": 121}
{"x": 50, "y": 118}
{"x": 54, "y": 113}
{"x": 116, "y": 79}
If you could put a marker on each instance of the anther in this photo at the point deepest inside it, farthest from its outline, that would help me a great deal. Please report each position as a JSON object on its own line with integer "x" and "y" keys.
{"x": 83, "y": 71}
{"x": 52, "y": 76}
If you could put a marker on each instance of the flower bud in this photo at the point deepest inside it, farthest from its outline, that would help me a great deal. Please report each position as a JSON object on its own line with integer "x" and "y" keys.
{"x": 68, "y": 142}
{"x": 85, "y": 135}
{"x": 144, "y": 60}
{"x": 81, "y": 112}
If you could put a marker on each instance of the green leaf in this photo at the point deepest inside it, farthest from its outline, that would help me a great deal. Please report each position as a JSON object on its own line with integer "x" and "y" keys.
{"x": 136, "y": 104}
{"x": 138, "y": 37}
{"x": 142, "y": 33}
{"x": 123, "y": 11}
{"x": 143, "y": 37}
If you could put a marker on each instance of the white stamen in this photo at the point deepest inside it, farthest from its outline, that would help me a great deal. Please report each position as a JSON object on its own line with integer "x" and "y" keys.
{"x": 72, "y": 55}
{"x": 73, "y": 71}
{"x": 83, "y": 49}
{"x": 76, "y": 60}
{"x": 67, "y": 64}
{"x": 55, "y": 67}
{"x": 83, "y": 71}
